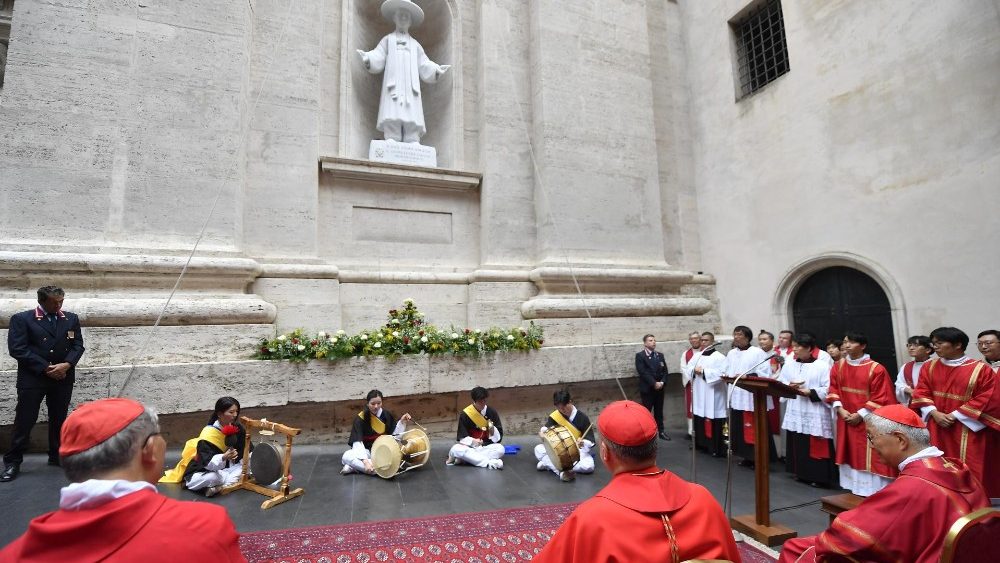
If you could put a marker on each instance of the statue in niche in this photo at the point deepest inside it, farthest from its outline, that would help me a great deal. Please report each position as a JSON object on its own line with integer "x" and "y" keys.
{"x": 400, "y": 111}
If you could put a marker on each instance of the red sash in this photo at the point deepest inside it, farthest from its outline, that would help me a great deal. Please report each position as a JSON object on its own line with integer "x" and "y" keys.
{"x": 708, "y": 428}
{"x": 908, "y": 374}
{"x": 748, "y": 433}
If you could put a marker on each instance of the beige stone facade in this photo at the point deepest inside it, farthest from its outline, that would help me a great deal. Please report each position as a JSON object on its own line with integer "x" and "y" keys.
{"x": 596, "y": 175}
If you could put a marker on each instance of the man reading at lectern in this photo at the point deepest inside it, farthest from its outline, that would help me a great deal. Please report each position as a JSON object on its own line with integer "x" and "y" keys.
{"x": 908, "y": 519}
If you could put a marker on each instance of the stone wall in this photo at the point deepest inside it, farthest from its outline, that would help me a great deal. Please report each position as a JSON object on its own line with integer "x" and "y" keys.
{"x": 877, "y": 150}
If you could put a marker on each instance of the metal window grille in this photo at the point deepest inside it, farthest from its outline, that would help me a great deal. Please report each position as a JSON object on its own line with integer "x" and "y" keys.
{"x": 761, "y": 47}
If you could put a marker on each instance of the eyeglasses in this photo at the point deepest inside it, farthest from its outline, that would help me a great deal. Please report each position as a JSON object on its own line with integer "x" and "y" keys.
{"x": 987, "y": 343}
{"x": 871, "y": 439}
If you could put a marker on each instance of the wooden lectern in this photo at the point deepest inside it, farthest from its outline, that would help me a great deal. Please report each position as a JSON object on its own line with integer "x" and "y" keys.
{"x": 758, "y": 525}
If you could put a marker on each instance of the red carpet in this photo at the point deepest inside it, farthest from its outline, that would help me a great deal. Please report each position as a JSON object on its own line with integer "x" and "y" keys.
{"x": 515, "y": 534}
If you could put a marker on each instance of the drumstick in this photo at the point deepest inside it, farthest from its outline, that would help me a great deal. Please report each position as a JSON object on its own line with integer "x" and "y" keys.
{"x": 418, "y": 424}
{"x": 584, "y": 435}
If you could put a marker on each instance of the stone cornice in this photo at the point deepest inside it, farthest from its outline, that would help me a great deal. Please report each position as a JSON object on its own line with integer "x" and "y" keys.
{"x": 409, "y": 176}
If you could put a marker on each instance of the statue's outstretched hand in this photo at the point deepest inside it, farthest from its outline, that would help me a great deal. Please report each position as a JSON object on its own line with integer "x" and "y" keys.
{"x": 443, "y": 69}
{"x": 364, "y": 57}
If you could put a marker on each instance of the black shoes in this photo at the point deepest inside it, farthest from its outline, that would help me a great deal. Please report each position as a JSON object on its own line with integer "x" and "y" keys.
{"x": 10, "y": 472}
{"x": 54, "y": 462}
{"x": 664, "y": 436}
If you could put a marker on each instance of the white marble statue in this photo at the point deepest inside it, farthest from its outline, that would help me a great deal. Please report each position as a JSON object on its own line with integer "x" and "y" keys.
{"x": 400, "y": 111}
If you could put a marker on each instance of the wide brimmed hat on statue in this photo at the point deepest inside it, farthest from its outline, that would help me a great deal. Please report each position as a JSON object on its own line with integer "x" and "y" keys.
{"x": 390, "y": 7}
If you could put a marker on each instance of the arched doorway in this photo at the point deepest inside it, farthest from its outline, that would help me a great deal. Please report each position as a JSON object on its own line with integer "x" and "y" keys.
{"x": 837, "y": 299}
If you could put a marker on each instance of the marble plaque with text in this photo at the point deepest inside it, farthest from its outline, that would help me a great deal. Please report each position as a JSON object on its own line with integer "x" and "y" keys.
{"x": 413, "y": 154}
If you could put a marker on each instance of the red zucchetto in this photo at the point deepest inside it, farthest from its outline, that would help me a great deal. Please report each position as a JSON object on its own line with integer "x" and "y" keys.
{"x": 627, "y": 423}
{"x": 93, "y": 423}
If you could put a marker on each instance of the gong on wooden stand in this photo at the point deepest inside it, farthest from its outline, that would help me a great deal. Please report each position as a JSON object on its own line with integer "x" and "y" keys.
{"x": 271, "y": 466}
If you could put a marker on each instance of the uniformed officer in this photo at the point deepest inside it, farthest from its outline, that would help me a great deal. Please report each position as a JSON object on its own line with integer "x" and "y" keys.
{"x": 47, "y": 344}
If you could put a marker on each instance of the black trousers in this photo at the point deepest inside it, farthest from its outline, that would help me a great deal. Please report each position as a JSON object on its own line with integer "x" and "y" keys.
{"x": 654, "y": 402}
{"x": 715, "y": 445}
{"x": 821, "y": 471}
{"x": 57, "y": 395}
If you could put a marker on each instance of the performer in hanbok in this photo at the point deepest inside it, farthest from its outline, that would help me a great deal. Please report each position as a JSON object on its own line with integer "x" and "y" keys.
{"x": 907, "y": 520}
{"x": 574, "y": 421}
{"x": 214, "y": 459}
{"x": 705, "y": 370}
{"x": 859, "y": 385}
{"x": 809, "y": 452}
{"x": 694, "y": 340}
{"x": 919, "y": 349}
{"x": 372, "y": 422}
{"x": 479, "y": 434}
{"x": 741, "y": 360}
{"x": 112, "y": 453}
{"x": 951, "y": 395}
{"x": 645, "y": 513}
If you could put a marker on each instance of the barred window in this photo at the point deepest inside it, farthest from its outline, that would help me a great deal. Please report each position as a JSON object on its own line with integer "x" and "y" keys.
{"x": 6, "y": 14}
{"x": 760, "y": 46}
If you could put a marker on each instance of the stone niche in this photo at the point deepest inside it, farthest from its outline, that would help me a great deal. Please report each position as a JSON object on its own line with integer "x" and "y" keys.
{"x": 438, "y": 34}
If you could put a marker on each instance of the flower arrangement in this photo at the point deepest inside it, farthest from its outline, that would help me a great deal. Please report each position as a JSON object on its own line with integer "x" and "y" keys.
{"x": 405, "y": 332}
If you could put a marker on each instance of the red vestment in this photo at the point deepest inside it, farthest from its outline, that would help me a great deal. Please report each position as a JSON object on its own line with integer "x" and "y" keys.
{"x": 991, "y": 418}
{"x": 906, "y": 522}
{"x": 965, "y": 388}
{"x": 141, "y": 526}
{"x": 864, "y": 386}
{"x": 648, "y": 515}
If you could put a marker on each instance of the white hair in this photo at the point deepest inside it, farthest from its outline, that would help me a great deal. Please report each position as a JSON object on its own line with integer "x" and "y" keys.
{"x": 918, "y": 437}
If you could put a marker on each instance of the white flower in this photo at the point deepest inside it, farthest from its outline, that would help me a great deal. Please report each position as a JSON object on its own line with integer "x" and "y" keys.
{"x": 270, "y": 351}
{"x": 364, "y": 337}
{"x": 334, "y": 340}
{"x": 395, "y": 321}
{"x": 282, "y": 338}
{"x": 478, "y": 331}
{"x": 472, "y": 341}
{"x": 407, "y": 301}
{"x": 395, "y": 333}
{"x": 321, "y": 334}
{"x": 300, "y": 347}
{"x": 510, "y": 337}
{"x": 341, "y": 333}
{"x": 423, "y": 339}
{"x": 420, "y": 315}
{"x": 455, "y": 336}
{"x": 378, "y": 344}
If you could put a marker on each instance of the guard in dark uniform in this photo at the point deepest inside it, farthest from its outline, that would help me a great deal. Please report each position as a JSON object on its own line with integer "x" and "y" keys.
{"x": 47, "y": 343}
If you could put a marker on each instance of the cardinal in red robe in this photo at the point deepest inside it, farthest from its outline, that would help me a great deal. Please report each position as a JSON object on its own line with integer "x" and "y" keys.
{"x": 645, "y": 513}
{"x": 111, "y": 511}
{"x": 906, "y": 521}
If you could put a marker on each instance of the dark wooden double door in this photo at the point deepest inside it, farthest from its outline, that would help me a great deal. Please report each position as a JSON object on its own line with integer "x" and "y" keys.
{"x": 839, "y": 299}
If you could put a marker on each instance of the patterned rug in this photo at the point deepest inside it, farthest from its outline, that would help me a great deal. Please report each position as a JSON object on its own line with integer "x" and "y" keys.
{"x": 510, "y": 535}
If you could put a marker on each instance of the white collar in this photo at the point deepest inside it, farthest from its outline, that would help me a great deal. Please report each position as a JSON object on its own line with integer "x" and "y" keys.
{"x": 572, "y": 415}
{"x": 956, "y": 361}
{"x": 930, "y": 451}
{"x": 95, "y": 492}
{"x": 864, "y": 358}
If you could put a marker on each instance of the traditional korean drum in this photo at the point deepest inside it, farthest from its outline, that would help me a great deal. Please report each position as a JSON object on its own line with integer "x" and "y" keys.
{"x": 561, "y": 447}
{"x": 266, "y": 463}
{"x": 391, "y": 456}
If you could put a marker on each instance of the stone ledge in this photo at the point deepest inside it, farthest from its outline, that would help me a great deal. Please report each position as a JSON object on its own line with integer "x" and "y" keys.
{"x": 183, "y": 310}
{"x": 410, "y": 176}
{"x": 577, "y": 307}
{"x": 126, "y": 263}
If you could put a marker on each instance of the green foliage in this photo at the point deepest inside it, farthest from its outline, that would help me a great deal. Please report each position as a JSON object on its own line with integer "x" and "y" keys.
{"x": 404, "y": 333}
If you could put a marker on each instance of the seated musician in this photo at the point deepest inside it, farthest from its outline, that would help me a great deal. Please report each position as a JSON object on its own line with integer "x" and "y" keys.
{"x": 479, "y": 434}
{"x": 370, "y": 423}
{"x": 214, "y": 459}
{"x": 570, "y": 418}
